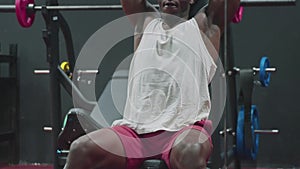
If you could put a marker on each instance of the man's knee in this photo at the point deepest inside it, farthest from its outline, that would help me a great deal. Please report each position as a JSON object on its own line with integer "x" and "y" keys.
{"x": 190, "y": 152}
{"x": 188, "y": 156}
{"x": 82, "y": 146}
{"x": 81, "y": 154}
{"x": 92, "y": 151}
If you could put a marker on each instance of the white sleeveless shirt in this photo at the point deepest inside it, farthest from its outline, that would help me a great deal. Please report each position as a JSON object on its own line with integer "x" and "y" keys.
{"x": 168, "y": 79}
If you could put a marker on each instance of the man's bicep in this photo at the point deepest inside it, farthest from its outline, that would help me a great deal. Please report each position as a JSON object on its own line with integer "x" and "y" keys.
{"x": 140, "y": 27}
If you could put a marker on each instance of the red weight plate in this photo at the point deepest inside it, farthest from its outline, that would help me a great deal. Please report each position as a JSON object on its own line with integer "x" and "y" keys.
{"x": 25, "y": 19}
{"x": 238, "y": 15}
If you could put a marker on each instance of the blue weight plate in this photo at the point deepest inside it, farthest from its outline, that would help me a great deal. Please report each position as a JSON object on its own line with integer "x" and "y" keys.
{"x": 242, "y": 151}
{"x": 264, "y": 76}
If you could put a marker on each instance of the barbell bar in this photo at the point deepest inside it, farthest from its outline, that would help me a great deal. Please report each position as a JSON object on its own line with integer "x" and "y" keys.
{"x": 11, "y": 8}
{"x": 33, "y": 7}
{"x": 268, "y": 2}
{"x": 25, "y": 9}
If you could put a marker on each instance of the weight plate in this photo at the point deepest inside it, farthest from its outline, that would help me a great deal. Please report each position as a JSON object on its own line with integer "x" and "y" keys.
{"x": 264, "y": 76}
{"x": 242, "y": 151}
{"x": 24, "y": 18}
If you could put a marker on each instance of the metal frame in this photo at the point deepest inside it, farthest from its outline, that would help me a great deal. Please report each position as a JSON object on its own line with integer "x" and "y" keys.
{"x": 51, "y": 38}
{"x": 12, "y": 134}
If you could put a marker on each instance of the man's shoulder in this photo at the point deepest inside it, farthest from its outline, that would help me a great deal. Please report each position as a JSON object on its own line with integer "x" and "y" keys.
{"x": 202, "y": 20}
{"x": 144, "y": 22}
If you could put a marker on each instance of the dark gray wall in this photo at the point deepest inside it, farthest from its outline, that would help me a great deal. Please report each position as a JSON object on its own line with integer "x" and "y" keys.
{"x": 34, "y": 89}
{"x": 271, "y": 31}
{"x": 274, "y": 32}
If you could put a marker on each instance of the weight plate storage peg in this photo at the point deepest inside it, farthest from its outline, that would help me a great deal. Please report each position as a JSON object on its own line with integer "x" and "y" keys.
{"x": 264, "y": 76}
{"x": 242, "y": 151}
{"x": 25, "y": 19}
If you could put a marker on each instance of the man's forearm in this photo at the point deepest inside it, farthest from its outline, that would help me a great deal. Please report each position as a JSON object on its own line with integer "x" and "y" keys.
{"x": 134, "y": 6}
{"x": 216, "y": 12}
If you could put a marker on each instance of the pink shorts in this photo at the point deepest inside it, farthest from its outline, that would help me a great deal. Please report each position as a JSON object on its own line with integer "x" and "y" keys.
{"x": 157, "y": 145}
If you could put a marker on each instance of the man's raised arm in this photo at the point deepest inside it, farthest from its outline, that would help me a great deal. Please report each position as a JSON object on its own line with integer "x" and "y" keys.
{"x": 136, "y": 6}
{"x": 216, "y": 12}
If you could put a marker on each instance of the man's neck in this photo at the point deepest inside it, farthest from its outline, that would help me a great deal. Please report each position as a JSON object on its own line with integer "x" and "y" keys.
{"x": 170, "y": 21}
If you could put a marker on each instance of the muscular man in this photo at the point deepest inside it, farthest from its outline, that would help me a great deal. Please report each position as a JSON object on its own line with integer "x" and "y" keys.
{"x": 168, "y": 100}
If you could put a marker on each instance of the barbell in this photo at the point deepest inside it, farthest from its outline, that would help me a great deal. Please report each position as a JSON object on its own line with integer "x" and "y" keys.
{"x": 25, "y": 9}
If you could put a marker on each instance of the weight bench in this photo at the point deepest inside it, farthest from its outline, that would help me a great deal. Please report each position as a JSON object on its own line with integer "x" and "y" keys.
{"x": 77, "y": 123}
